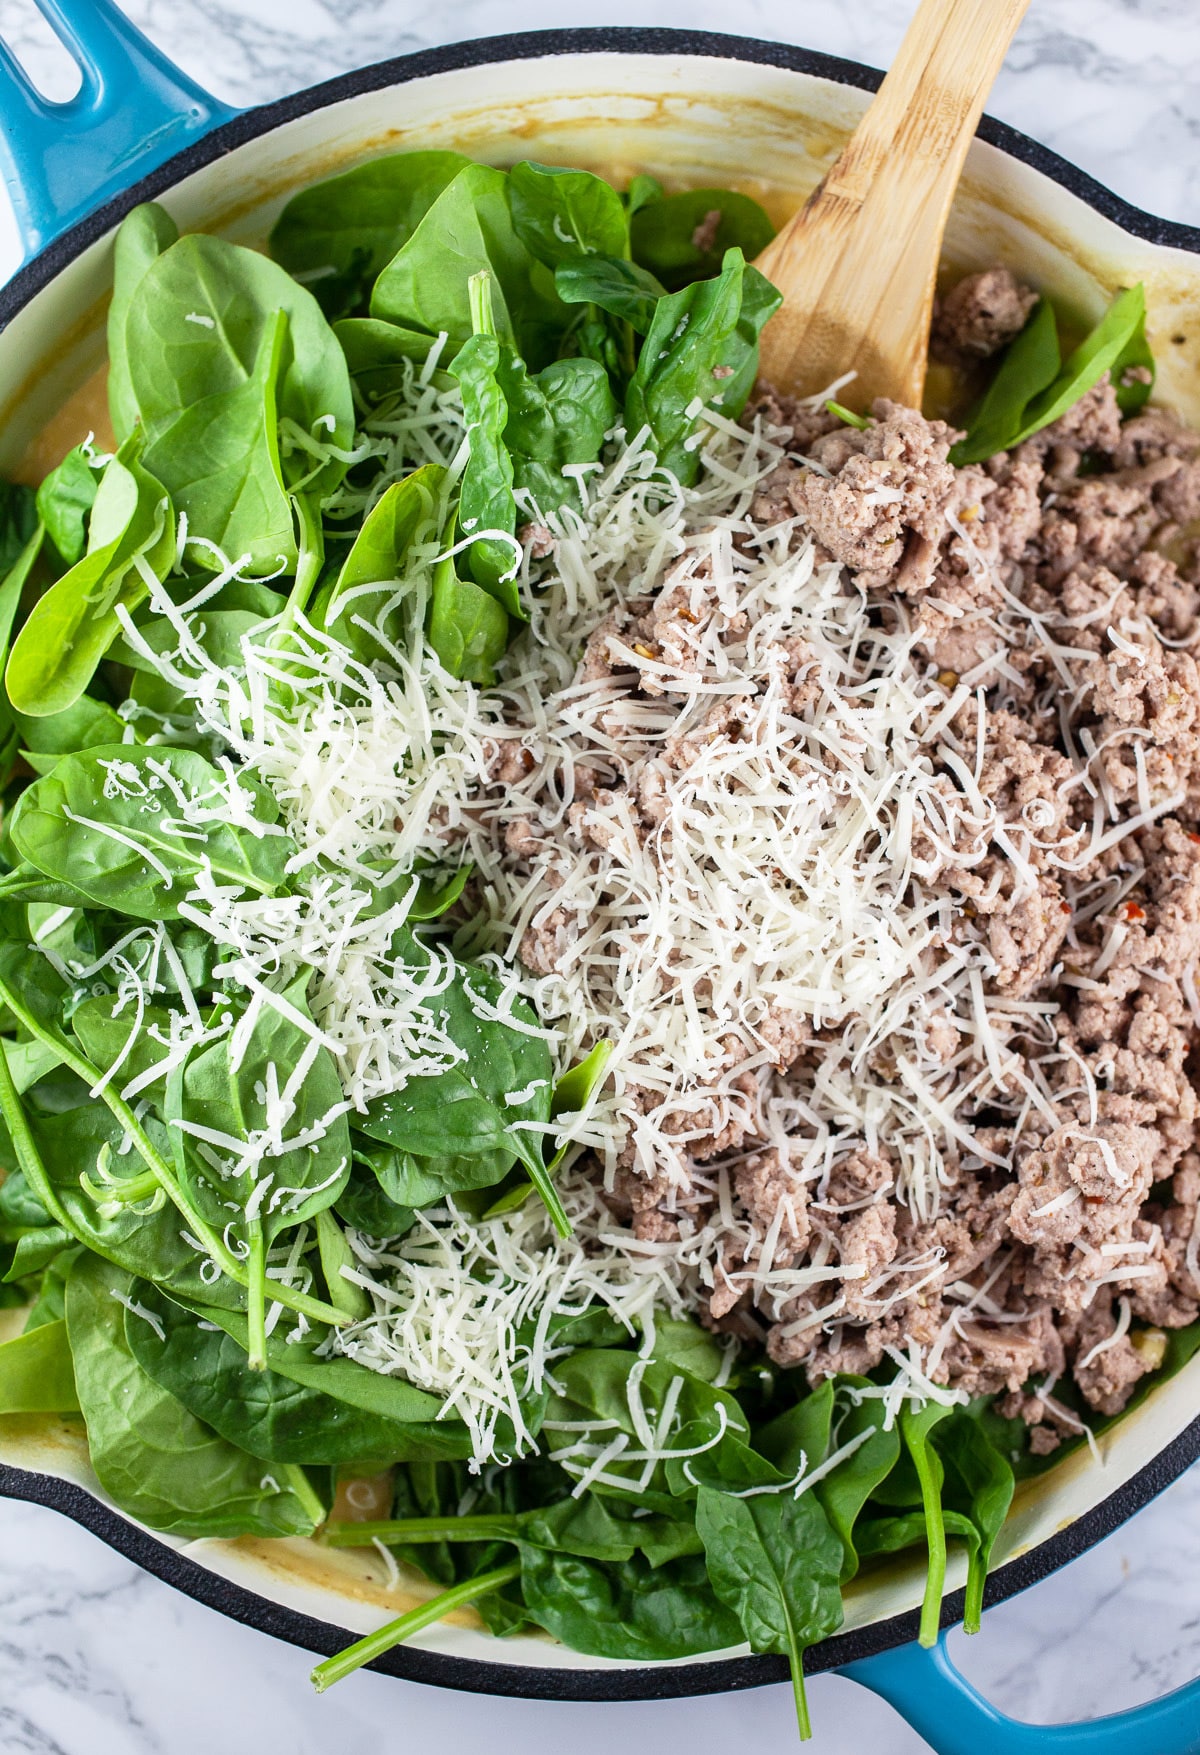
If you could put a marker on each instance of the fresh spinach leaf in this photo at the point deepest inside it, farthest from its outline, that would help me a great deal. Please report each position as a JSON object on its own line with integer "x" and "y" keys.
{"x": 562, "y": 215}
{"x": 1033, "y": 387}
{"x": 263, "y": 1412}
{"x": 979, "y": 1485}
{"x": 370, "y": 1392}
{"x": 64, "y": 503}
{"x": 380, "y": 356}
{"x": 702, "y": 347}
{"x": 523, "y": 431}
{"x": 71, "y": 627}
{"x": 143, "y": 235}
{"x": 82, "y": 725}
{"x": 478, "y": 1107}
{"x": 468, "y": 627}
{"x": 621, "y": 288}
{"x": 261, "y": 1140}
{"x": 775, "y": 1561}
{"x": 468, "y": 231}
{"x": 364, "y": 1205}
{"x": 111, "y": 823}
{"x": 35, "y": 1372}
{"x": 156, "y": 1460}
{"x": 683, "y": 238}
{"x": 916, "y": 1429}
{"x": 226, "y": 353}
{"x": 18, "y": 522}
{"x": 632, "y": 1610}
{"x": 388, "y": 560}
{"x": 335, "y": 236}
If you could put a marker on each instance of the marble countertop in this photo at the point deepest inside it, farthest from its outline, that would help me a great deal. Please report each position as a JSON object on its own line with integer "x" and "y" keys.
{"x": 97, "y": 1658}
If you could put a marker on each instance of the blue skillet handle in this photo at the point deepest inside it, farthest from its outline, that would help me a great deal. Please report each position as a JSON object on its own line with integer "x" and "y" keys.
{"x": 941, "y": 1705}
{"x": 134, "y": 110}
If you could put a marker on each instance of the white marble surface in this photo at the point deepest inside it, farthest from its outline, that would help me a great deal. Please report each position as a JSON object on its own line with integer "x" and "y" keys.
{"x": 99, "y": 1659}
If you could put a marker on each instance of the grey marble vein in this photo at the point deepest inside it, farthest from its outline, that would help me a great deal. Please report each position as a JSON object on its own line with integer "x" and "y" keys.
{"x": 99, "y": 1659}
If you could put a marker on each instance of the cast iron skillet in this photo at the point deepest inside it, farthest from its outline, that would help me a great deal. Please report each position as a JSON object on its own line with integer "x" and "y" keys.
{"x": 68, "y": 168}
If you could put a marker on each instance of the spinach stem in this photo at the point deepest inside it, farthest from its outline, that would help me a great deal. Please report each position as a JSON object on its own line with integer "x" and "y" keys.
{"x": 796, "y": 1659}
{"x": 336, "y": 1254}
{"x": 487, "y": 1526}
{"x": 256, "y": 1299}
{"x": 305, "y": 1492}
{"x": 205, "y": 1236}
{"x": 364, "y": 1651}
{"x": 976, "y": 1579}
{"x": 935, "y": 1535}
{"x": 309, "y": 561}
{"x": 28, "y": 1156}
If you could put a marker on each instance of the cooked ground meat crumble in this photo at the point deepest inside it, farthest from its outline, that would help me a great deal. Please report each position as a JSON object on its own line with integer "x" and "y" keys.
{"x": 1060, "y": 582}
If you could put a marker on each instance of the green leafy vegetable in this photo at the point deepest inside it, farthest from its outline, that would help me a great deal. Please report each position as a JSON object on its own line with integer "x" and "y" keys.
{"x": 1033, "y": 387}
{"x": 702, "y": 346}
{"x": 336, "y": 236}
{"x": 144, "y": 234}
{"x": 111, "y": 822}
{"x": 64, "y": 502}
{"x": 775, "y": 1561}
{"x": 155, "y": 1459}
{"x": 35, "y": 1372}
{"x": 71, "y": 627}
{"x": 683, "y": 238}
{"x": 562, "y": 215}
{"x": 467, "y": 231}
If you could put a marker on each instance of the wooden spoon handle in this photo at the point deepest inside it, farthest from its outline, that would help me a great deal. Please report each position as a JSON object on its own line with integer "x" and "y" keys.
{"x": 857, "y": 264}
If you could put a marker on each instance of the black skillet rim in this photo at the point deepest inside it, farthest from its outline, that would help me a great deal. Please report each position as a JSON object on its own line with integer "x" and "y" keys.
{"x": 470, "y": 1675}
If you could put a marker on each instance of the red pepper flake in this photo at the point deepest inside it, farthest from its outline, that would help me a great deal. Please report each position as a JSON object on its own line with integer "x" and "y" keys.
{"x": 1065, "y": 906}
{"x": 1134, "y": 911}
{"x": 1192, "y": 836}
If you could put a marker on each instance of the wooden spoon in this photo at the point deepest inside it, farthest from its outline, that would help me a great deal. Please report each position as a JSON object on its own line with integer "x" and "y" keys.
{"x": 857, "y": 265}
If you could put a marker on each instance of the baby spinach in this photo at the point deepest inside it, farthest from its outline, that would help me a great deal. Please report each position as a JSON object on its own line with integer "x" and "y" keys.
{"x": 702, "y": 347}
{"x": 336, "y": 236}
{"x": 156, "y": 1460}
{"x": 468, "y": 627}
{"x": 82, "y": 725}
{"x": 35, "y": 1372}
{"x": 629, "y": 1610}
{"x": 467, "y": 231}
{"x": 775, "y": 1561}
{"x": 845, "y": 1491}
{"x": 225, "y": 349}
{"x": 475, "y": 1110}
{"x": 524, "y": 430}
{"x": 1034, "y": 387}
{"x": 111, "y": 822}
{"x": 365, "y": 1206}
{"x": 71, "y": 627}
{"x": 598, "y": 1384}
{"x": 621, "y": 288}
{"x": 343, "y": 1380}
{"x": 979, "y": 1485}
{"x": 393, "y": 548}
{"x": 144, "y": 234}
{"x": 18, "y": 522}
{"x": 380, "y": 355}
{"x": 675, "y": 236}
{"x": 562, "y": 215}
{"x": 270, "y": 1415}
{"x": 64, "y": 502}
{"x": 916, "y": 1429}
{"x": 261, "y": 1140}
